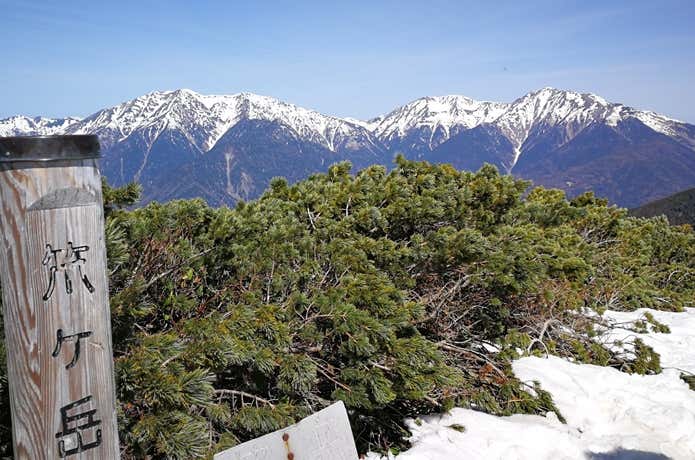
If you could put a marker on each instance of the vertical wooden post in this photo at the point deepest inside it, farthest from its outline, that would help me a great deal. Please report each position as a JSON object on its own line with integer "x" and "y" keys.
{"x": 55, "y": 299}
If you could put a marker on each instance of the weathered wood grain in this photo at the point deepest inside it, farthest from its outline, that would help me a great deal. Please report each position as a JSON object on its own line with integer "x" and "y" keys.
{"x": 36, "y": 211}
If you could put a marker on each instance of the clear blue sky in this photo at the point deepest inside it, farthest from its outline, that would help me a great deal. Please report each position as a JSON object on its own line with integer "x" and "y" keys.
{"x": 344, "y": 58}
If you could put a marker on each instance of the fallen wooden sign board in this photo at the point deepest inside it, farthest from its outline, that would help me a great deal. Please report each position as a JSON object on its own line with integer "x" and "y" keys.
{"x": 325, "y": 435}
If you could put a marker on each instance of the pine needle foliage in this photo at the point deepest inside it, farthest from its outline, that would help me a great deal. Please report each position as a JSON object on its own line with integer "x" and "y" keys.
{"x": 381, "y": 289}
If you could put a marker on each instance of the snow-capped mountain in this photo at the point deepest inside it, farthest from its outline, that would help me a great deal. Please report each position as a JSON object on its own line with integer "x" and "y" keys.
{"x": 150, "y": 138}
{"x": 425, "y": 123}
{"x": 229, "y": 147}
{"x": 577, "y": 142}
{"x": 537, "y": 112}
{"x": 37, "y": 126}
{"x": 204, "y": 119}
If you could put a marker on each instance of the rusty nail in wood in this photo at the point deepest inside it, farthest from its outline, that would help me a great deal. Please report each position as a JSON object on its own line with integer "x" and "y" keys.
{"x": 290, "y": 456}
{"x": 285, "y": 437}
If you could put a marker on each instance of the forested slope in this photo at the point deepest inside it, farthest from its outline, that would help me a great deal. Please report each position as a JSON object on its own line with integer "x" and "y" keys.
{"x": 678, "y": 208}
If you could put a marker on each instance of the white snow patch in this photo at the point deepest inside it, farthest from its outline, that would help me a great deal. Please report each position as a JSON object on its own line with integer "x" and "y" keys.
{"x": 677, "y": 349}
{"x": 610, "y": 414}
{"x": 658, "y": 123}
{"x": 613, "y": 410}
{"x": 467, "y": 434}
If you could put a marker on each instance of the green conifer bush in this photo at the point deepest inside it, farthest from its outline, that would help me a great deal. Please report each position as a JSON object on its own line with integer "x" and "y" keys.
{"x": 379, "y": 289}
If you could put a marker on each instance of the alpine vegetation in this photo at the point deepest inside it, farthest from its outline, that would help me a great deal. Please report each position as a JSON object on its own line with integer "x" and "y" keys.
{"x": 400, "y": 292}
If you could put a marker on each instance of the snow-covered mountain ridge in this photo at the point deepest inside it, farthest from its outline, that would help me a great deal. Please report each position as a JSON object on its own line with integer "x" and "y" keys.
{"x": 38, "y": 126}
{"x": 442, "y": 117}
{"x": 443, "y": 113}
{"x": 204, "y": 119}
{"x": 556, "y": 138}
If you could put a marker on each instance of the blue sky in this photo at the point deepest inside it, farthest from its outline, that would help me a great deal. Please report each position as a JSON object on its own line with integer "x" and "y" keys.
{"x": 355, "y": 58}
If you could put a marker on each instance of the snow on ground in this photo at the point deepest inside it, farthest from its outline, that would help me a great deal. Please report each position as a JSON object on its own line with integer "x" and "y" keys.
{"x": 610, "y": 415}
{"x": 611, "y": 409}
{"x": 677, "y": 349}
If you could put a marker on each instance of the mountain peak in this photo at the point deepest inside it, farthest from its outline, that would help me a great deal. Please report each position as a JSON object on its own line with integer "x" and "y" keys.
{"x": 204, "y": 119}
{"x": 553, "y": 106}
{"x": 425, "y": 123}
{"x": 19, "y": 125}
{"x": 435, "y": 117}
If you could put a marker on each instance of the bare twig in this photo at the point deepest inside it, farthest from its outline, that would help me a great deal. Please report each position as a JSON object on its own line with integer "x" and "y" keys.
{"x": 447, "y": 346}
{"x": 176, "y": 267}
{"x": 540, "y": 336}
{"x": 243, "y": 394}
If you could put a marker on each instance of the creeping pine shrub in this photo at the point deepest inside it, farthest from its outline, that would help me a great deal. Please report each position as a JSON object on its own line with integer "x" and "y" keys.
{"x": 379, "y": 289}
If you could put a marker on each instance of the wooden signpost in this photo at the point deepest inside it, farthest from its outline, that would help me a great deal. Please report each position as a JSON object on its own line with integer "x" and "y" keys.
{"x": 55, "y": 299}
